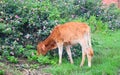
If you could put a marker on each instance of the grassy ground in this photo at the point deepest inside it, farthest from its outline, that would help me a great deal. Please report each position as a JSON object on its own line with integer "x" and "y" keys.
{"x": 106, "y": 60}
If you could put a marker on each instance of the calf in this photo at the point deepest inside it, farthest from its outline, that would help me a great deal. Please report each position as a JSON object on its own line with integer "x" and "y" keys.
{"x": 68, "y": 34}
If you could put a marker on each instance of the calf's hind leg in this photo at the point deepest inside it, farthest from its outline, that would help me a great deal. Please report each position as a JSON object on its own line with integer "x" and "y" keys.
{"x": 89, "y": 56}
{"x": 83, "y": 58}
{"x": 83, "y": 53}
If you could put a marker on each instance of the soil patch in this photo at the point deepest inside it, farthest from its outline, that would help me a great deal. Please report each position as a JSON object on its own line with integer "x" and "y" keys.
{"x": 23, "y": 67}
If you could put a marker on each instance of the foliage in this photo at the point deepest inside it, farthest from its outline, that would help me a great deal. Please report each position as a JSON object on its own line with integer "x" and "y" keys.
{"x": 110, "y": 15}
{"x": 12, "y": 59}
{"x": 45, "y": 60}
{"x": 96, "y": 25}
{"x": 2, "y": 72}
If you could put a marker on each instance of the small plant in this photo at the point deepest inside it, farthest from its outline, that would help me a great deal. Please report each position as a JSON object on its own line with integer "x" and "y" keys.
{"x": 30, "y": 54}
{"x": 30, "y": 47}
{"x": 21, "y": 50}
{"x": 45, "y": 60}
{"x": 2, "y": 72}
{"x": 12, "y": 59}
{"x": 32, "y": 58}
{"x": 34, "y": 66}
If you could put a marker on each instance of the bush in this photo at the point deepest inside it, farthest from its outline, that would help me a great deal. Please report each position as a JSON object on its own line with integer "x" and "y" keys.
{"x": 96, "y": 25}
{"x": 12, "y": 59}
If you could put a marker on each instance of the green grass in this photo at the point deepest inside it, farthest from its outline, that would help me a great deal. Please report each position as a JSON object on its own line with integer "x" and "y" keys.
{"x": 106, "y": 60}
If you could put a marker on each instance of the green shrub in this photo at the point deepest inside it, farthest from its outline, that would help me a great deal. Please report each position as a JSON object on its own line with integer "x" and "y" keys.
{"x": 45, "y": 60}
{"x": 31, "y": 55}
{"x": 12, "y": 59}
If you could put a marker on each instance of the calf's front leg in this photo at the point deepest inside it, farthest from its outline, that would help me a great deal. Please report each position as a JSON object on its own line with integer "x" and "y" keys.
{"x": 60, "y": 50}
{"x": 83, "y": 45}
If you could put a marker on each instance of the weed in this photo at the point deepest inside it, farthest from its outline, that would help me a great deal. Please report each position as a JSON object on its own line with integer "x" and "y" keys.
{"x": 2, "y": 72}
{"x": 45, "y": 60}
{"x": 12, "y": 59}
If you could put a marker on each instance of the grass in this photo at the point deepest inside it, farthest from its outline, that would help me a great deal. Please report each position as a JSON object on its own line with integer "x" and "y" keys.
{"x": 106, "y": 60}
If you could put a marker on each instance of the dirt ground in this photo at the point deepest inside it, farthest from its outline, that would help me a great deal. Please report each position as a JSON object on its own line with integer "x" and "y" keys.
{"x": 23, "y": 67}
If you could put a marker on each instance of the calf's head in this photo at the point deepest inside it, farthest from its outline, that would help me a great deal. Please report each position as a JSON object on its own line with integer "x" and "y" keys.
{"x": 41, "y": 49}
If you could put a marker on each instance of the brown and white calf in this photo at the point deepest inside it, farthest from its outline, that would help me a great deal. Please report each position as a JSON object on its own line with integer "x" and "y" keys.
{"x": 68, "y": 34}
